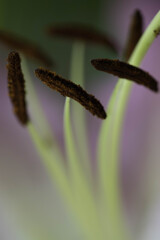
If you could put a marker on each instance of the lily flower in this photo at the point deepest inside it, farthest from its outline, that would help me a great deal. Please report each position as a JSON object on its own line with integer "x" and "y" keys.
{"x": 93, "y": 199}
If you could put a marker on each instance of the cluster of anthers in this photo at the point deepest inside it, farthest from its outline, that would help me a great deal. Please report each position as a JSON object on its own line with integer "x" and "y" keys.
{"x": 66, "y": 87}
{"x": 69, "y": 89}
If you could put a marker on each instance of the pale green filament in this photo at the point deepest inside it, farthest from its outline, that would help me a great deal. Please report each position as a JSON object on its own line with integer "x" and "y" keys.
{"x": 59, "y": 177}
{"x": 109, "y": 140}
{"x": 85, "y": 204}
{"x": 45, "y": 144}
{"x": 38, "y": 115}
{"x": 136, "y": 58}
{"x": 79, "y": 121}
{"x": 51, "y": 161}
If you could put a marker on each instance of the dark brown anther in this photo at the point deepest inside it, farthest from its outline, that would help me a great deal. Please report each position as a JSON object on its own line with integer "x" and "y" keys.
{"x": 27, "y": 48}
{"x": 83, "y": 33}
{"x": 127, "y": 71}
{"x": 134, "y": 34}
{"x": 70, "y": 89}
{"x": 16, "y": 87}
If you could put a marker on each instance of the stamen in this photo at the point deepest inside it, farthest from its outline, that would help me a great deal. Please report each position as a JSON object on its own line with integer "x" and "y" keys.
{"x": 127, "y": 71}
{"x": 70, "y": 89}
{"x": 82, "y": 32}
{"x": 135, "y": 32}
{"x": 26, "y": 47}
{"x": 16, "y": 87}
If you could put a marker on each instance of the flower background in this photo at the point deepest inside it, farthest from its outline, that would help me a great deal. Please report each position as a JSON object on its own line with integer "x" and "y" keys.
{"x": 30, "y": 206}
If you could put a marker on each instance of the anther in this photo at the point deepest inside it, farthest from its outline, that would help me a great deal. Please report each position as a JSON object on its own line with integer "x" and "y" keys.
{"x": 70, "y": 89}
{"x": 16, "y": 87}
{"x": 27, "y": 48}
{"x": 135, "y": 32}
{"x": 126, "y": 71}
{"x": 83, "y": 33}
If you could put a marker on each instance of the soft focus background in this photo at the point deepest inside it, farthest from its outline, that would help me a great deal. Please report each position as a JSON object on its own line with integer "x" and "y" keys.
{"x": 30, "y": 207}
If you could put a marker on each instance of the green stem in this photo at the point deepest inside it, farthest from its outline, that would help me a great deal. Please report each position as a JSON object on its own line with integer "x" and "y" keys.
{"x": 110, "y": 134}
